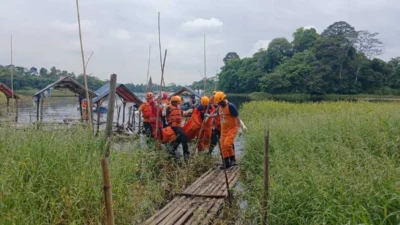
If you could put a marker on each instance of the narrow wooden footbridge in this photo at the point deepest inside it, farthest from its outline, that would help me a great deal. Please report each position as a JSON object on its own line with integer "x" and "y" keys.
{"x": 200, "y": 202}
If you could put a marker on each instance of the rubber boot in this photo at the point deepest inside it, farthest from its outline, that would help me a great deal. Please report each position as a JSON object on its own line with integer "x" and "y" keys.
{"x": 227, "y": 164}
{"x": 233, "y": 160}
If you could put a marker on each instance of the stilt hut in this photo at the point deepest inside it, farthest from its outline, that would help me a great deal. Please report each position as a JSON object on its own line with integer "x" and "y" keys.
{"x": 126, "y": 97}
{"x": 10, "y": 95}
{"x": 193, "y": 95}
{"x": 63, "y": 83}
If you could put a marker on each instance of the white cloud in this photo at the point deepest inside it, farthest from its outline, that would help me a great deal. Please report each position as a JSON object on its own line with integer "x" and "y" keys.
{"x": 259, "y": 44}
{"x": 202, "y": 25}
{"x": 121, "y": 34}
{"x": 70, "y": 27}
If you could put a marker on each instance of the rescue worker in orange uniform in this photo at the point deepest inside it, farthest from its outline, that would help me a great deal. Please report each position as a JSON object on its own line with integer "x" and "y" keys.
{"x": 174, "y": 118}
{"x": 195, "y": 124}
{"x": 230, "y": 123}
{"x": 149, "y": 114}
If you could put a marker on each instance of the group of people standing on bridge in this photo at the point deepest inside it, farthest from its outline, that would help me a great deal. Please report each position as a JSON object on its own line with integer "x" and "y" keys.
{"x": 213, "y": 119}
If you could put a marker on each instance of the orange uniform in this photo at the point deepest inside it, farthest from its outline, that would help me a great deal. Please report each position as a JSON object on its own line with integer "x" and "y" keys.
{"x": 229, "y": 128}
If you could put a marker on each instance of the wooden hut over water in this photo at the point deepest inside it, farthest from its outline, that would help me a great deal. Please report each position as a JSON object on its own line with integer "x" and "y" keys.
{"x": 126, "y": 97}
{"x": 63, "y": 83}
{"x": 10, "y": 95}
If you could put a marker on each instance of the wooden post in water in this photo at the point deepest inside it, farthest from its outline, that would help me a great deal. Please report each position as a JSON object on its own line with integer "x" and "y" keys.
{"x": 98, "y": 119}
{"x": 80, "y": 107}
{"x": 129, "y": 114}
{"x": 41, "y": 108}
{"x": 123, "y": 113}
{"x": 111, "y": 104}
{"x": 140, "y": 122}
{"x": 266, "y": 179}
{"x": 8, "y": 106}
{"x": 16, "y": 109}
{"x": 107, "y": 191}
{"x": 37, "y": 108}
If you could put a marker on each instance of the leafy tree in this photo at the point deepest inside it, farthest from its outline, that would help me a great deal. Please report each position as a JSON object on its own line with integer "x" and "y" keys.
{"x": 304, "y": 39}
{"x": 43, "y": 72}
{"x": 230, "y": 56}
{"x": 279, "y": 49}
{"x": 33, "y": 71}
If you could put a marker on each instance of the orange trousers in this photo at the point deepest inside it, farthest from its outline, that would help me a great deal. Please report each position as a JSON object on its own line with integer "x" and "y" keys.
{"x": 227, "y": 140}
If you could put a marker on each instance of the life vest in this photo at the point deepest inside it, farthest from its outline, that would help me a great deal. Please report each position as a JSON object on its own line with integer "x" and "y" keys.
{"x": 175, "y": 116}
{"x": 149, "y": 112}
{"x": 168, "y": 135}
{"x": 227, "y": 120}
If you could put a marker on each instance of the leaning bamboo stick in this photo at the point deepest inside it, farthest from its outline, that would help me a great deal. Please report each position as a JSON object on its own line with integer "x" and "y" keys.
{"x": 88, "y": 100}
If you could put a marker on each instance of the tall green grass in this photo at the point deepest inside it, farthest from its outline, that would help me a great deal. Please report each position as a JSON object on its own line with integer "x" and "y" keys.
{"x": 54, "y": 177}
{"x": 330, "y": 163}
{"x": 328, "y": 97}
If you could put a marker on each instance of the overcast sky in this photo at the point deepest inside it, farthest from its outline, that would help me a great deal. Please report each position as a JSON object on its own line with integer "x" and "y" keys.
{"x": 45, "y": 32}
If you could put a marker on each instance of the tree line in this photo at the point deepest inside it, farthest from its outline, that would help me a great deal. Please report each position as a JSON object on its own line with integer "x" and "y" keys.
{"x": 32, "y": 78}
{"x": 340, "y": 60}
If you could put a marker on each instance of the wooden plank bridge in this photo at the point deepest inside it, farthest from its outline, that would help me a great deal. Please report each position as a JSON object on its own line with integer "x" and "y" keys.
{"x": 200, "y": 202}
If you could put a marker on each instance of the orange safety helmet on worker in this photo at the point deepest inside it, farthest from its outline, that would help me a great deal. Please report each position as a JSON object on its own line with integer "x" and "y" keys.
{"x": 229, "y": 116}
{"x": 174, "y": 117}
{"x": 149, "y": 114}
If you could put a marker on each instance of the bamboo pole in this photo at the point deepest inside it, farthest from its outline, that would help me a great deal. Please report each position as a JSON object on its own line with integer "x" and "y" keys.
{"x": 88, "y": 100}
{"x": 216, "y": 75}
{"x": 266, "y": 178}
{"x": 12, "y": 73}
{"x": 205, "y": 67}
{"x": 226, "y": 177}
{"x": 107, "y": 190}
{"x": 148, "y": 71}
{"x": 111, "y": 104}
{"x": 161, "y": 89}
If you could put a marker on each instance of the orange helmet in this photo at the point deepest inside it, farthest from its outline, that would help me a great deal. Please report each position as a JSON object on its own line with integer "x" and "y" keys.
{"x": 149, "y": 95}
{"x": 205, "y": 100}
{"x": 219, "y": 97}
{"x": 176, "y": 98}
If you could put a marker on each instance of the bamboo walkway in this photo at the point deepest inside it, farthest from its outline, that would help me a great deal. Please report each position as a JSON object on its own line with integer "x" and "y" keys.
{"x": 199, "y": 203}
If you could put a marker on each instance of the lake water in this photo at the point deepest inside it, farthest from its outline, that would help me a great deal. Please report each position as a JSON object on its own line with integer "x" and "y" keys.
{"x": 58, "y": 109}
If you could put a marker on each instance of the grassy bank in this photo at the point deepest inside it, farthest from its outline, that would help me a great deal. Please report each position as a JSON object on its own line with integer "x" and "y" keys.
{"x": 55, "y": 178}
{"x": 319, "y": 98}
{"x": 331, "y": 163}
